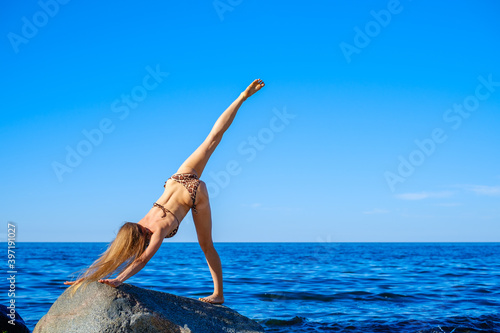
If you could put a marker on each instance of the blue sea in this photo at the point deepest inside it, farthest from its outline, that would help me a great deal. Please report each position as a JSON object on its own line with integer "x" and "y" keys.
{"x": 302, "y": 287}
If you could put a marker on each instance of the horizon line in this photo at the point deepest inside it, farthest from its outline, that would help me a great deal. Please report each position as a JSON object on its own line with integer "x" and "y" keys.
{"x": 289, "y": 242}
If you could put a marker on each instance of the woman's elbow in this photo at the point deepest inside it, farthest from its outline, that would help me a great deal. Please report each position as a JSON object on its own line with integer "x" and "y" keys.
{"x": 142, "y": 261}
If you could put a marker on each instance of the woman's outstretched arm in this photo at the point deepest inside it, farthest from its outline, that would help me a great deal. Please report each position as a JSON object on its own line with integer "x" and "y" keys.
{"x": 140, "y": 262}
{"x": 197, "y": 161}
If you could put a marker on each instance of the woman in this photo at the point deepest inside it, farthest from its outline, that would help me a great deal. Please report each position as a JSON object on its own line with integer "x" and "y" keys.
{"x": 136, "y": 243}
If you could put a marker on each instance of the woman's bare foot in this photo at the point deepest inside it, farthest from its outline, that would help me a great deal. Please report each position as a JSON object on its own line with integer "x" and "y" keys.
{"x": 253, "y": 88}
{"x": 213, "y": 299}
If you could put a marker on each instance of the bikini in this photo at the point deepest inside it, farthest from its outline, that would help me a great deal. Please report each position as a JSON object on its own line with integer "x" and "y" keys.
{"x": 191, "y": 182}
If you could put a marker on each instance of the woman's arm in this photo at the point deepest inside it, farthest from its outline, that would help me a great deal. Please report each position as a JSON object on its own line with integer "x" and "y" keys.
{"x": 197, "y": 161}
{"x": 139, "y": 263}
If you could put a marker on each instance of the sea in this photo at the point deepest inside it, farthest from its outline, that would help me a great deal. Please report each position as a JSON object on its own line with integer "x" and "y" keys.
{"x": 300, "y": 287}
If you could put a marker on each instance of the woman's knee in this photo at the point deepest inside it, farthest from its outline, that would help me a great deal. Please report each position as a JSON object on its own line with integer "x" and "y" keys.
{"x": 206, "y": 246}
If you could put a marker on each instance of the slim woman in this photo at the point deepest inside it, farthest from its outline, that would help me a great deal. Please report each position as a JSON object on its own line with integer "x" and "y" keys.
{"x": 136, "y": 243}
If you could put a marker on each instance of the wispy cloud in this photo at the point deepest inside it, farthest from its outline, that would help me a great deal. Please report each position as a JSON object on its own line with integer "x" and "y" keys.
{"x": 261, "y": 206}
{"x": 253, "y": 205}
{"x": 376, "y": 211}
{"x": 476, "y": 189}
{"x": 483, "y": 189}
{"x": 424, "y": 195}
{"x": 448, "y": 204}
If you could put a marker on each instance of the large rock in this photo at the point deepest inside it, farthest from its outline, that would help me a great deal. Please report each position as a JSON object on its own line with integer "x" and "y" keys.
{"x": 102, "y": 308}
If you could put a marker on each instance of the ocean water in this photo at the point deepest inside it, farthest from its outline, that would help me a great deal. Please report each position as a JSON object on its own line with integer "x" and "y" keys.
{"x": 302, "y": 287}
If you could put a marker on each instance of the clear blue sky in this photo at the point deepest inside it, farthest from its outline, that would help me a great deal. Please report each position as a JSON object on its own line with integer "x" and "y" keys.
{"x": 387, "y": 128}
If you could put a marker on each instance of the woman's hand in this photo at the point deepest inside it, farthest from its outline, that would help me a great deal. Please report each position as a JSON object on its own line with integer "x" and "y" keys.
{"x": 112, "y": 282}
{"x": 252, "y": 88}
{"x": 72, "y": 282}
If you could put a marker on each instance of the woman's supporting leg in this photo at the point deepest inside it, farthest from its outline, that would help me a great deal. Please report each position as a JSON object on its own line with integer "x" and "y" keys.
{"x": 198, "y": 160}
{"x": 203, "y": 223}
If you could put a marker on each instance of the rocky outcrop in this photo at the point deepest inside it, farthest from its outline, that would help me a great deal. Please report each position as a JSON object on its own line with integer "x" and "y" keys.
{"x": 11, "y": 321}
{"x": 102, "y": 308}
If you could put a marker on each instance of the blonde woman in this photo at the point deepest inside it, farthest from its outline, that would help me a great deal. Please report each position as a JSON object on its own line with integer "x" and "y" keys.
{"x": 136, "y": 243}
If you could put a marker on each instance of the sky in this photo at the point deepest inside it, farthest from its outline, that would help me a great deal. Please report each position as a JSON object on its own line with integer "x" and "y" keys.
{"x": 378, "y": 122}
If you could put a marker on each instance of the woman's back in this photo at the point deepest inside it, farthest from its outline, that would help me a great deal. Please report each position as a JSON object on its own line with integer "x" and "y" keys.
{"x": 177, "y": 199}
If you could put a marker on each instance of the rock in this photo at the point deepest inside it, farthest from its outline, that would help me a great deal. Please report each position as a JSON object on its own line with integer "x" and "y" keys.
{"x": 19, "y": 327}
{"x": 102, "y": 308}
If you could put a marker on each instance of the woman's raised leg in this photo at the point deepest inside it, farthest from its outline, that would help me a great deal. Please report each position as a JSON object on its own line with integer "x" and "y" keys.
{"x": 198, "y": 160}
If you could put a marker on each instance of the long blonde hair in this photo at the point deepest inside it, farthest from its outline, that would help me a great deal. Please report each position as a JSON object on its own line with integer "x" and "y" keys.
{"x": 130, "y": 242}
